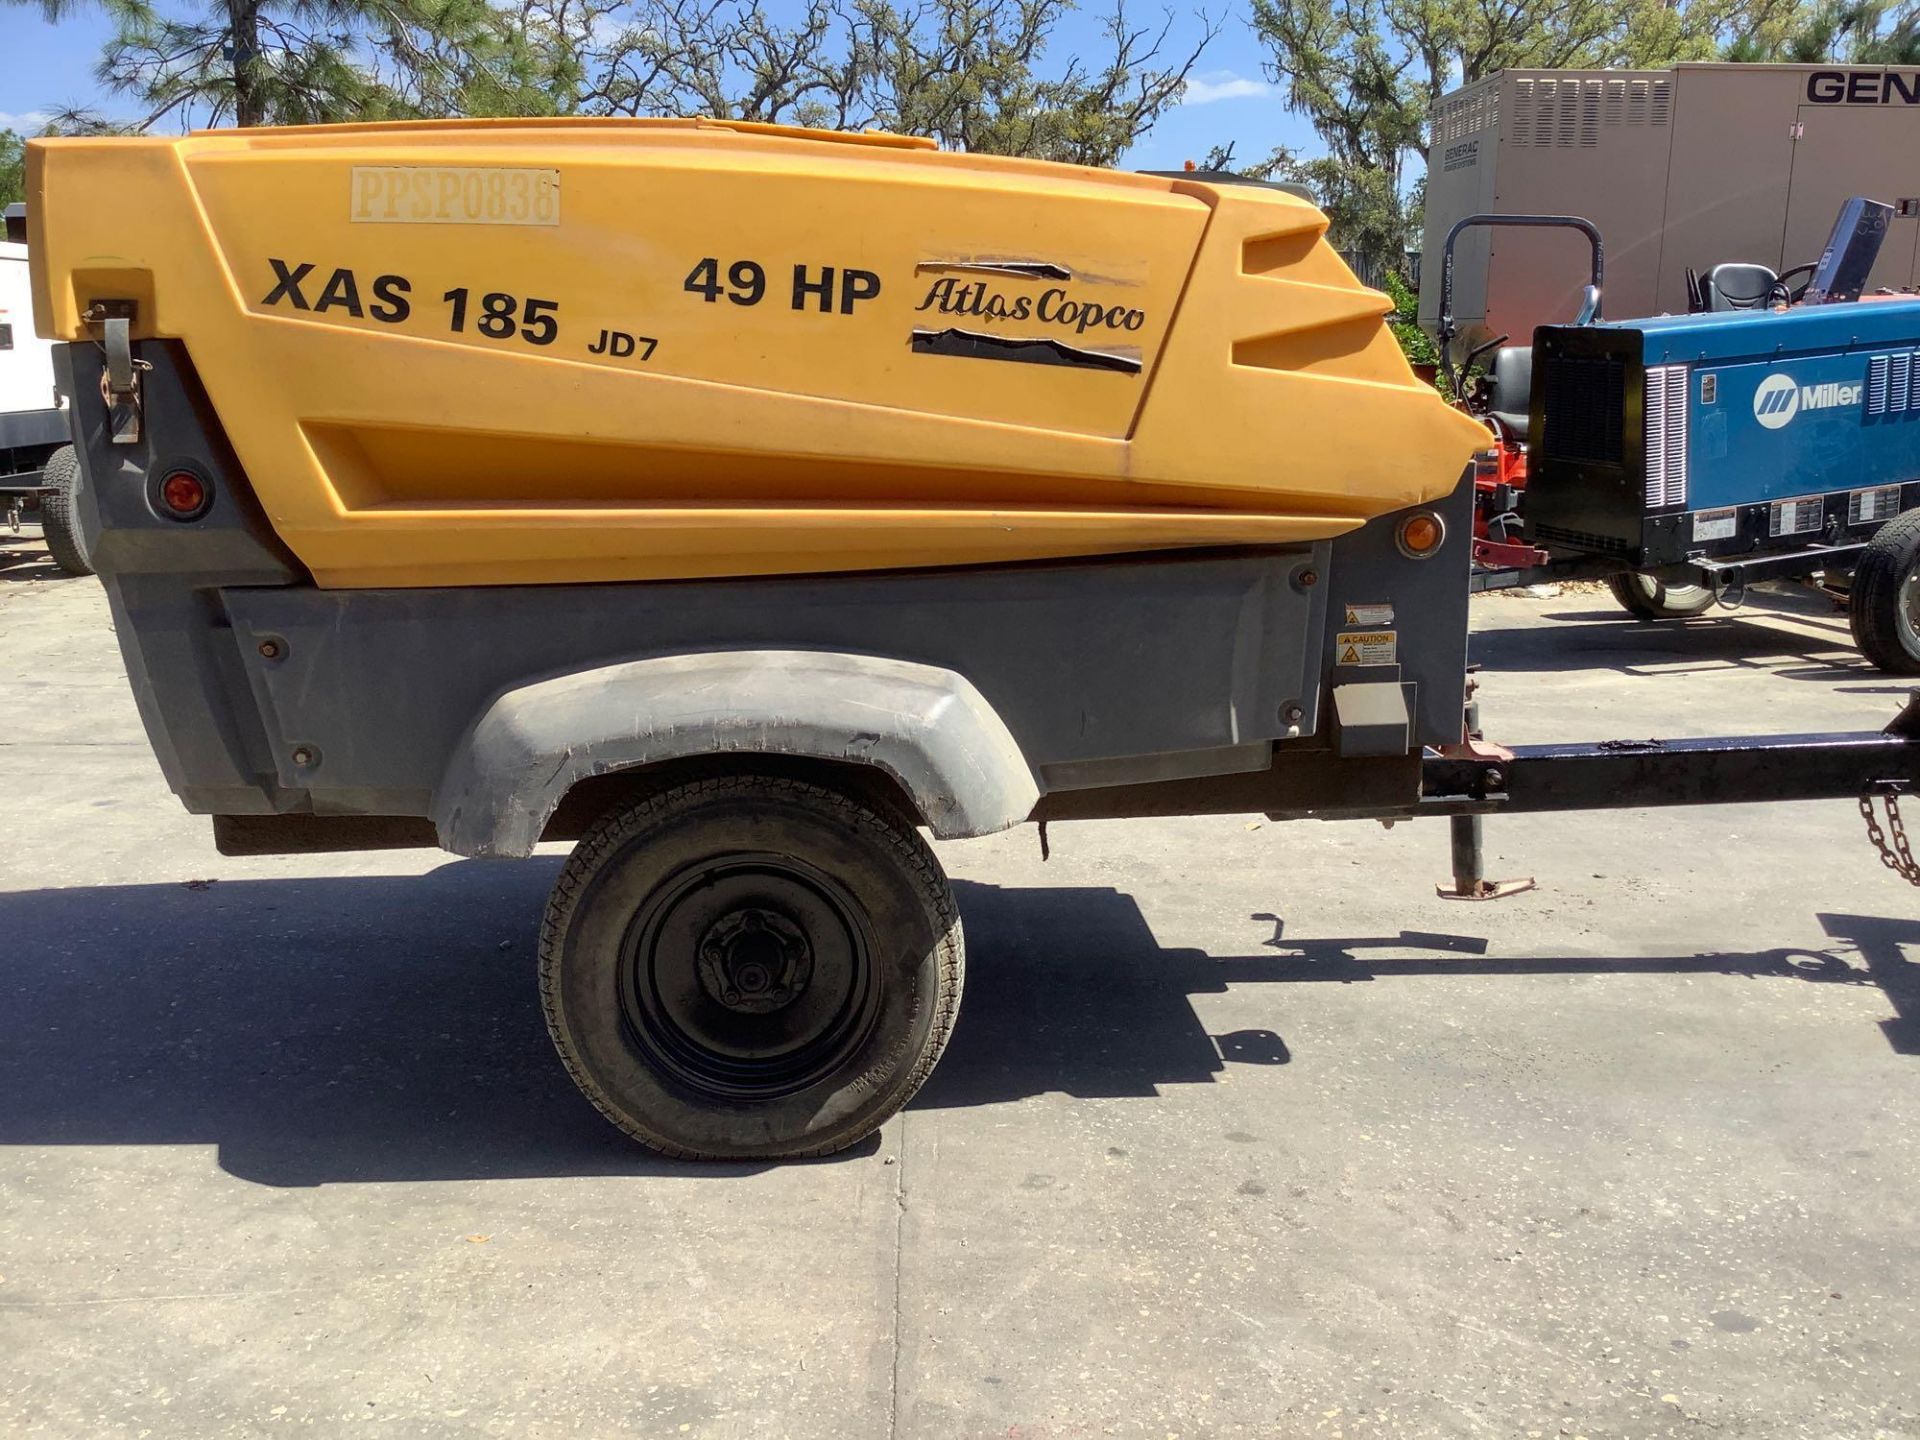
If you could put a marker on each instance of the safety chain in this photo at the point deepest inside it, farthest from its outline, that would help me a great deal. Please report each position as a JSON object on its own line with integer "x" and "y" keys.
{"x": 1895, "y": 853}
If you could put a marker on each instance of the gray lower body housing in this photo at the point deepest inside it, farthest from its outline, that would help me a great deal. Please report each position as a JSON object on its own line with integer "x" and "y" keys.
{"x": 486, "y": 718}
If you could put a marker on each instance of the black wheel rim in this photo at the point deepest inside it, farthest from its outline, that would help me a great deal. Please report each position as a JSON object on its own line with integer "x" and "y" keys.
{"x": 748, "y": 977}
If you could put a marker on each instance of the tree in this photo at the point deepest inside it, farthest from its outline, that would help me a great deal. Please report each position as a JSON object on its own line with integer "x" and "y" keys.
{"x": 971, "y": 74}
{"x": 1367, "y": 73}
{"x": 686, "y": 57}
{"x": 289, "y": 62}
{"x": 1365, "y": 99}
{"x": 966, "y": 73}
{"x": 13, "y": 168}
{"x": 1850, "y": 32}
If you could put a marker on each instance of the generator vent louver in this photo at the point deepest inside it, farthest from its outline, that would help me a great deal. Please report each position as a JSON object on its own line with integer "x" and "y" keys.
{"x": 1661, "y": 102}
{"x": 1468, "y": 112}
{"x": 1893, "y": 384}
{"x": 1666, "y": 415}
{"x": 1569, "y": 113}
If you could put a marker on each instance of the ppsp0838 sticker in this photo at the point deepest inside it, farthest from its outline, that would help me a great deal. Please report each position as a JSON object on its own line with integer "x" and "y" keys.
{"x": 453, "y": 195}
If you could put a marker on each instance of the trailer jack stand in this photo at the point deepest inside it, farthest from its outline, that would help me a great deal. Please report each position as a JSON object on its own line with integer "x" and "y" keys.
{"x": 1468, "y": 858}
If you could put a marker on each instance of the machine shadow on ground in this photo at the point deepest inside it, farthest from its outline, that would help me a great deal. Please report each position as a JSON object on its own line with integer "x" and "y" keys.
{"x": 1793, "y": 635}
{"x": 377, "y": 1028}
{"x": 24, "y": 557}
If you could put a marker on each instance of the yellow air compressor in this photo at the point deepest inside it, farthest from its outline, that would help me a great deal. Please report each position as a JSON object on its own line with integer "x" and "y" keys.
{"x": 736, "y": 501}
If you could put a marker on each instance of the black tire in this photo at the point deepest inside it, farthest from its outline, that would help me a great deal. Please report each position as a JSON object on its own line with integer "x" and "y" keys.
{"x": 58, "y": 522}
{"x": 1646, "y": 598}
{"x": 750, "y": 967}
{"x": 1884, "y": 600}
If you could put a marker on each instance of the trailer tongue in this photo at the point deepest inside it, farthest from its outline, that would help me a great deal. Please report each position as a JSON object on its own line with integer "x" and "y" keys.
{"x": 735, "y": 501}
{"x": 1478, "y": 780}
{"x": 1632, "y": 774}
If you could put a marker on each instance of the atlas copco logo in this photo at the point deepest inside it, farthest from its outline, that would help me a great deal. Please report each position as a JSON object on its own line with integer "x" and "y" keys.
{"x": 1781, "y": 397}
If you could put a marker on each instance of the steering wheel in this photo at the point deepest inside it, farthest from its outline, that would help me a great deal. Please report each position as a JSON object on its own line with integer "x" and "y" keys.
{"x": 1473, "y": 359}
{"x": 1786, "y": 293}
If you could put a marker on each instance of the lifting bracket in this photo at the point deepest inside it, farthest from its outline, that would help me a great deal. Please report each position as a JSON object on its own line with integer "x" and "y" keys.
{"x": 120, "y": 380}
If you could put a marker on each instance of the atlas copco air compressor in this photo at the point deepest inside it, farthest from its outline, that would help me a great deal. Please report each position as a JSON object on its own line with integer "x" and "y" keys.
{"x": 744, "y": 609}
{"x": 1733, "y": 446}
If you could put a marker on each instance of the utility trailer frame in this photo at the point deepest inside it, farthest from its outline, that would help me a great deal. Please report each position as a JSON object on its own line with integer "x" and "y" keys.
{"x": 1722, "y": 575}
{"x": 1479, "y": 780}
{"x": 1635, "y": 774}
{"x": 1467, "y": 782}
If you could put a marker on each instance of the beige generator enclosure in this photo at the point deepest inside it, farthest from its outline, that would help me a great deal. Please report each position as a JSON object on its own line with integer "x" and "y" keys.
{"x": 1688, "y": 167}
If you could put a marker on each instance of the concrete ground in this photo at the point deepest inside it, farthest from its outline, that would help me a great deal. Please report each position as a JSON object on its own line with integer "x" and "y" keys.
{"x": 1243, "y": 1131}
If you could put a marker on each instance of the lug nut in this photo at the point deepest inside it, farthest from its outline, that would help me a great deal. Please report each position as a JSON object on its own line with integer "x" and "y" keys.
{"x": 304, "y": 755}
{"x": 270, "y": 649}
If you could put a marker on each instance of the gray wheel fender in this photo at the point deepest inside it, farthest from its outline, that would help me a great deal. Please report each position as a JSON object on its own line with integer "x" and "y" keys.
{"x": 927, "y": 727}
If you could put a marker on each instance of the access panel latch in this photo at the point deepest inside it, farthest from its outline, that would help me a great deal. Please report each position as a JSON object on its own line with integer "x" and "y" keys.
{"x": 120, "y": 380}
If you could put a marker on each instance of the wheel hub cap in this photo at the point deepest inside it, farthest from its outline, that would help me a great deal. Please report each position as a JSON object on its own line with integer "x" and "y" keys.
{"x": 754, "y": 960}
{"x": 748, "y": 976}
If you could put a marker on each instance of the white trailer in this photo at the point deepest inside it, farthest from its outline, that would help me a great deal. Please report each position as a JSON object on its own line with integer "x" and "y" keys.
{"x": 36, "y": 462}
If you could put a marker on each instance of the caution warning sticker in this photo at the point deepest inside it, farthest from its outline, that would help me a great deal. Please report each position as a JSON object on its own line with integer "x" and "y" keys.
{"x": 1364, "y": 647}
{"x": 1369, "y": 614}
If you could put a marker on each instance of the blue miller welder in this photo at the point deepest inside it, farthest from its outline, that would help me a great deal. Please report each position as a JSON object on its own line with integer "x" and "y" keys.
{"x": 1774, "y": 436}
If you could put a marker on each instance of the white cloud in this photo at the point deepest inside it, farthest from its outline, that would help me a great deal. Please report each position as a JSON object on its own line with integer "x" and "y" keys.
{"x": 29, "y": 123}
{"x": 1222, "y": 85}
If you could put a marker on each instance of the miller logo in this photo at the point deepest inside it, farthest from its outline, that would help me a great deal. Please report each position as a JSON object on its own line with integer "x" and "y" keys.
{"x": 1780, "y": 397}
{"x": 1776, "y": 401}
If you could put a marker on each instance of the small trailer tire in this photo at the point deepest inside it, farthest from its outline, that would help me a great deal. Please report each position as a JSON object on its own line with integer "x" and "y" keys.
{"x": 1647, "y": 598}
{"x": 1884, "y": 599}
{"x": 57, "y": 520}
{"x": 750, "y": 967}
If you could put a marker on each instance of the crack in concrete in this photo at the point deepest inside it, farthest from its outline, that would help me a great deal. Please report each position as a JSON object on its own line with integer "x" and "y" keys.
{"x": 899, "y": 1246}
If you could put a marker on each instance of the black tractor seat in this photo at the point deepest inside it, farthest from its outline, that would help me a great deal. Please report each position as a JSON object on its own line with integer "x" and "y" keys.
{"x": 1738, "y": 285}
{"x": 1510, "y": 389}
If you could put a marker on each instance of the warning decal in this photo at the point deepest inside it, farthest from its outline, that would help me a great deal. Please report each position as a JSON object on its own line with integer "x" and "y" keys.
{"x": 1716, "y": 524}
{"x": 1364, "y": 647}
{"x": 1369, "y": 615}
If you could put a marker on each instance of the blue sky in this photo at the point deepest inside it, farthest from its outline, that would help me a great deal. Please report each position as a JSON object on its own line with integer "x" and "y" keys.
{"x": 44, "y": 67}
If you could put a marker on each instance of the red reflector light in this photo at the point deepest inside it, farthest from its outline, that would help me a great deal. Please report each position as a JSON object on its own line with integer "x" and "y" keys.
{"x": 184, "y": 494}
